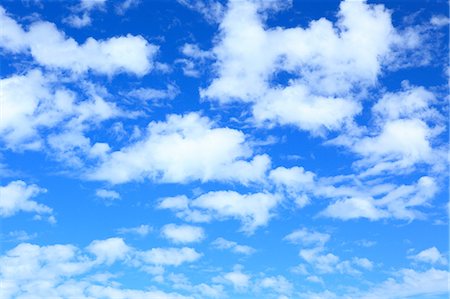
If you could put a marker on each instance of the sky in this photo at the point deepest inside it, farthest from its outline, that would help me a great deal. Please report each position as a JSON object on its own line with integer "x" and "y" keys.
{"x": 224, "y": 149}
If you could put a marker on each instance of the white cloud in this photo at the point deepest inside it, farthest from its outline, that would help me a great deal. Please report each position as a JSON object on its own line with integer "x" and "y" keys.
{"x": 294, "y": 181}
{"x": 107, "y": 194}
{"x": 151, "y": 94}
{"x": 182, "y": 149}
{"x": 314, "y": 253}
{"x": 411, "y": 283}
{"x": 404, "y": 134}
{"x": 400, "y": 202}
{"x": 307, "y": 237}
{"x": 46, "y": 104}
{"x": 278, "y": 284}
{"x": 211, "y": 10}
{"x": 440, "y": 21}
{"x": 109, "y": 250}
{"x": 324, "y": 63}
{"x": 52, "y": 49}
{"x": 16, "y": 197}
{"x": 62, "y": 271}
{"x": 221, "y": 243}
{"x": 91, "y": 4}
{"x": 78, "y": 21}
{"x": 125, "y": 5}
{"x": 431, "y": 256}
{"x": 252, "y": 210}
{"x": 141, "y": 230}
{"x": 182, "y": 233}
{"x": 169, "y": 256}
{"x": 237, "y": 278}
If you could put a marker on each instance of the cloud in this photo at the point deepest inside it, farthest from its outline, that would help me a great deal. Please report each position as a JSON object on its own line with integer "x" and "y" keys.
{"x": 431, "y": 256}
{"x": 150, "y": 94}
{"x": 141, "y": 230}
{"x": 211, "y": 10}
{"x": 252, "y": 210}
{"x": 182, "y": 233}
{"x": 62, "y": 271}
{"x": 406, "y": 126}
{"x": 181, "y": 149}
{"x": 16, "y": 197}
{"x": 324, "y": 63}
{"x": 107, "y": 194}
{"x": 313, "y": 251}
{"x": 279, "y": 284}
{"x": 295, "y": 181}
{"x": 44, "y": 104}
{"x": 401, "y": 203}
{"x": 109, "y": 250}
{"x": 169, "y": 256}
{"x": 51, "y": 48}
{"x": 221, "y": 243}
{"x": 239, "y": 280}
{"x": 307, "y": 237}
{"x": 411, "y": 283}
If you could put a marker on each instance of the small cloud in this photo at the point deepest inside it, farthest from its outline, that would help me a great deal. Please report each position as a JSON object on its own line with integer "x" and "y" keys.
{"x": 107, "y": 194}
{"x": 141, "y": 230}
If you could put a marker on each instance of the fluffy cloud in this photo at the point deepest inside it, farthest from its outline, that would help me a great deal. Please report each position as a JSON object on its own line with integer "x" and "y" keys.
{"x": 324, "y": 62}
{"x": 51, "y": 48}
{"x": 62, "y": 271}
{"x": 411, "y": 283}
{"x": 109, "y": 250}
{"x": 406, "y": 126}
{"x": 431, "y": 256}
{"x": 295, "y": 181}
{"x": 169, "y": 256}
{"x": 314, "y": 253}
{"x": 400, "y": 202}
{"x": 253, "y": 210}
{"x": 107, "y": 194}
{"x": 183, "y": 233}
{"x": 221, "y": 243}
{"x": 307, "y": 237}
{"x": 151, "y": 94}
{"x": 237, "y": 278}
{"x": 141, "y": 230}
{"x": 45, "y": 104}
{"x": 16, "y": 197}
{"x": 181, "y": 149}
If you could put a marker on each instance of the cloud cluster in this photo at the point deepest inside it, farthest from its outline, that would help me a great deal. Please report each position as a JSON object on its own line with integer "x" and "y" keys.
{"x": 51, "y": 48}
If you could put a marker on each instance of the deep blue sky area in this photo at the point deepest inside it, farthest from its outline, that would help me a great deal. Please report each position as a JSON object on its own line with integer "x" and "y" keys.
{"x": 224, "y": 149}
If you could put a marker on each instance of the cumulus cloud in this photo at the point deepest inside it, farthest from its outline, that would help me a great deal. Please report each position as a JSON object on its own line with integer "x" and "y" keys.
{"x": 181, "y": 149}
{"x": 141, "y": 230}
{"x": 109, "y": 250}
{"x": 169, "y": 256}
{"x": 182, "y": 233}
{"x": 406, "y": 126}
{"x": 252, "y": 210}
{"x": 431, "y": 256}
{"x": 313, "y": 252}
{"x": 324, "y": 62}
{"x": 62, "y": 271}
{"x": 17, "y": 197}
{"x": 410, "y": 283}
{"x": 45, "y": 104}
{"x": 295, "y": 181}
{"x": 154, "y": 95}
{"x": 221, "y": 243}
{"x": 107, "y": 194}
{"x": 51, "y": 48}
{"x": 401, "y": 202}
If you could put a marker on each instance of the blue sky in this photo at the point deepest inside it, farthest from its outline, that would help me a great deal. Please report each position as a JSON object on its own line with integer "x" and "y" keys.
{"x": 212, "y": 149}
